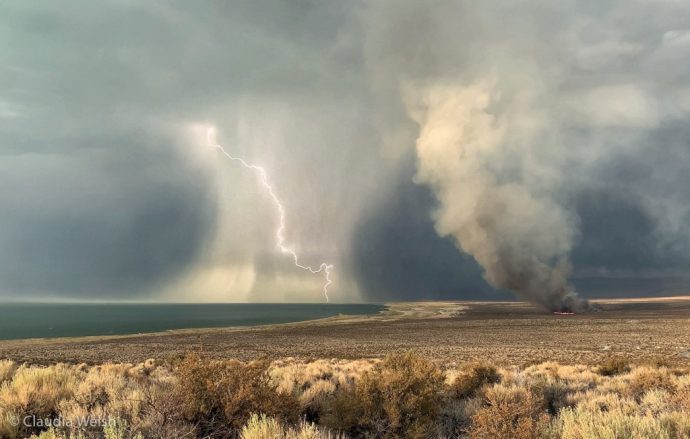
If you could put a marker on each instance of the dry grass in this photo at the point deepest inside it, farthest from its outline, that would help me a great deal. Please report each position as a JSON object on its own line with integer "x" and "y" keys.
{"x": 404, "y": 395}
{"x": 7, "y": 368}
{"x": 264, "y": 427}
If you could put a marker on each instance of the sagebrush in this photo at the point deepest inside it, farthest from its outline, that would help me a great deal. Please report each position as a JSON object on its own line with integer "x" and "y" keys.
{"x": 401, "y": 396}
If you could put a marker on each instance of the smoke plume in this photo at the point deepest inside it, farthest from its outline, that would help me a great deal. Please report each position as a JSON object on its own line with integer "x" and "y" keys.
{"x": 518, "y": 233}
{"x": 546, "y": 130}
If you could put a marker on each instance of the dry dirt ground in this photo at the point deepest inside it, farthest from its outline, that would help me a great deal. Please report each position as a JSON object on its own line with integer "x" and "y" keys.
{"x": 503, "y": 333}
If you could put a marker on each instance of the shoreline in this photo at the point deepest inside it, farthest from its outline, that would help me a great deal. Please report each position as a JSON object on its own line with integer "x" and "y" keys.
{"x": 382, "y": 308}
{"x": 391, "y": 311}
{"x": 424, "y": 309}
{"x": 650, "y": 329}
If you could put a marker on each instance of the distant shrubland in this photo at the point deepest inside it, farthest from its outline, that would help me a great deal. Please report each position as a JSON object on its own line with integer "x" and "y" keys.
{"x": 402, "y": 396}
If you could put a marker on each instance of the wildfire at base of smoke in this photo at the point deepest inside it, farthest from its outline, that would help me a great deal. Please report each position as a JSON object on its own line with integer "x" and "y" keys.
{"x": 517, "y": 231}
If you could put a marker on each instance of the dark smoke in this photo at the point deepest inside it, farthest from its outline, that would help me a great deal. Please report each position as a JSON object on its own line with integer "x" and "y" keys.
{"x": 518, "y": 233}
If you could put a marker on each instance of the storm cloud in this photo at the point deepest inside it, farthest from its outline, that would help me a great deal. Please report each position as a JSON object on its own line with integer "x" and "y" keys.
{"x": 108, "y": 189}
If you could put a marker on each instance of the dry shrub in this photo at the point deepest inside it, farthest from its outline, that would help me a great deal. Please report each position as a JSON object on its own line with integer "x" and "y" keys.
{"x": 644, "y": 379}
{"x": 578, "y": 424}
{"x": 595, "y": 401}
{"x": 676, "y": 423}
{"x": 34, "y": 391}
{"x": 574, "y": 378}
{"x": 456, "y": 415}
{"x": 315, "y": 382}
{"x": 655, "y": 402}
{"x": 510, "y": 413}
{"x": 344, "y": 411}
{"x": 8, "y": 429}
{"x": 119, "y": 430}
{"x": 472, "y": 377}
{"x": 399, "y": 397}
{"x": 613, "y": 366}
{"x": 264, "y": 427}
{"x": 220, "y": 396}
{"x": 50, "y": 434}
{"x": 91, "y": 398}
{"x": 314, "y": 400}
{"x": 657, "y": 362}
{"x": 554, "y": 391}
{"x": 159, "y": 413}
{"x": 682, "y": 396}
{"x": 101, "y": 386}
{"x": 402, "y": 395}
{"x": 7, "y": 368}
{"x": 142, "y": 399}
{"x": 293, "y": 376}
{"x": 116, "y": 430}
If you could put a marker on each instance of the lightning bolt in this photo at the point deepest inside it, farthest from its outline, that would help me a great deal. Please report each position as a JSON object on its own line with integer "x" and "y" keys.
{"x": 260, "y": 172}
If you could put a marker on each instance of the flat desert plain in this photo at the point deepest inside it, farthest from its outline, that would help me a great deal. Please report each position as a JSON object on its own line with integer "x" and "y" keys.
{"x": 505, "y": 333}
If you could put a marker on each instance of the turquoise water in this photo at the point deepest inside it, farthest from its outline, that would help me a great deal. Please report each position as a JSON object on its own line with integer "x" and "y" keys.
{"x": 74, "y": 320}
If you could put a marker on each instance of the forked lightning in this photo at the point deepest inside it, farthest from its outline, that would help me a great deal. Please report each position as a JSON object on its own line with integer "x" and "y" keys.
{"x": 260, "y": 172}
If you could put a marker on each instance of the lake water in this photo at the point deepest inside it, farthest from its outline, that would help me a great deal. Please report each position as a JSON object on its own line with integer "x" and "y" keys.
{"x": 74, "y": 320}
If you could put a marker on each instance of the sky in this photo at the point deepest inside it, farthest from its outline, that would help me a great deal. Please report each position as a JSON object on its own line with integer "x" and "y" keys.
{"x": 428, "y": 150}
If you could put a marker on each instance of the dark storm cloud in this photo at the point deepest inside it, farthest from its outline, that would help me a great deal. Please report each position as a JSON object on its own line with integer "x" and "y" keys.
{"x": 634, "y": 225}
{"x": 621, "y": 251}
{"x": 104, "y": 194}
{"x": 617, "y": 234}
{"x": 547, "y": 121}
{"x": 397, "y": 254}
{"x": 99, "y": 223}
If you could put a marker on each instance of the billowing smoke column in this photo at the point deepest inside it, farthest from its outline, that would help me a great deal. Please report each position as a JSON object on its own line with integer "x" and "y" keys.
{"x": 514, "y": 229}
